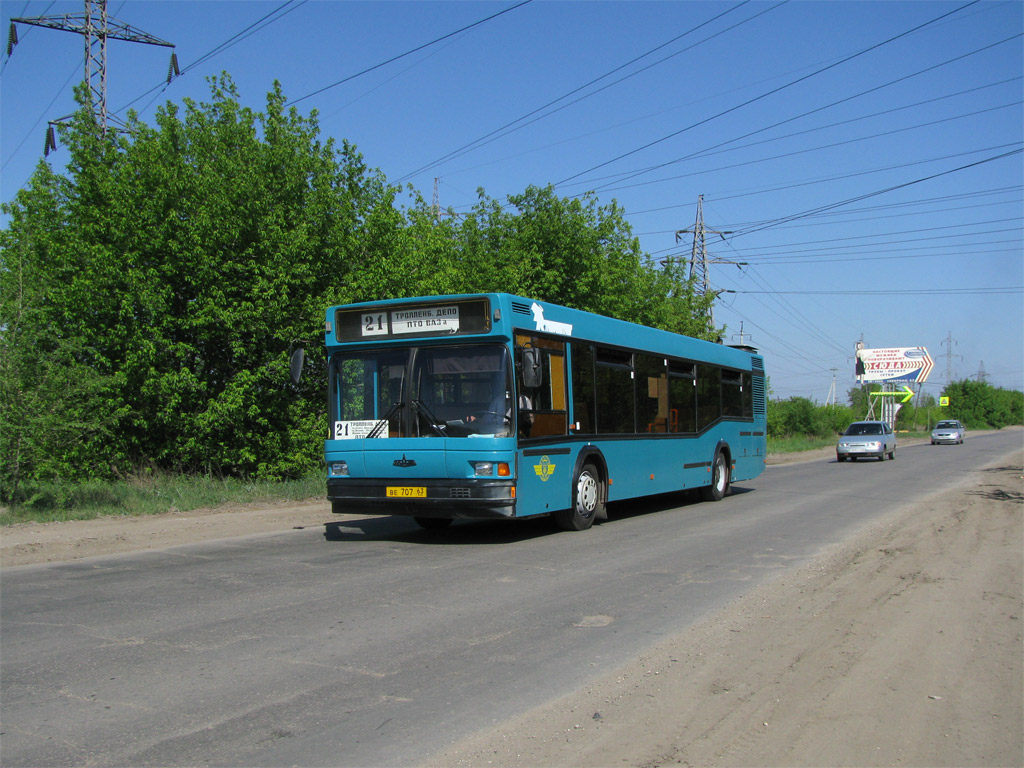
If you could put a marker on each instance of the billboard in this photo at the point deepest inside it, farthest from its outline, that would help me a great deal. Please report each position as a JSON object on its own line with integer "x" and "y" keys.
{"x": 905, "y": 364}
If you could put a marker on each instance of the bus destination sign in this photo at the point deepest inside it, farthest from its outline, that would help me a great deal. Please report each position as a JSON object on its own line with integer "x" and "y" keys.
{"x": 440, "y": 319}
{"x": 425, "y": 319}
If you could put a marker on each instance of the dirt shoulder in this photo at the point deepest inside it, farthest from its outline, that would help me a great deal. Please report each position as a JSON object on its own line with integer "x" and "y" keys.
{"x": 900, "y": 646}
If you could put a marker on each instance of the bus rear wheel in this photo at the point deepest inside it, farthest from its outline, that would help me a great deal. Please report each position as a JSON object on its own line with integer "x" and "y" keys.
{"x": 719, "y": 479}
{"x": 587, "y": 501}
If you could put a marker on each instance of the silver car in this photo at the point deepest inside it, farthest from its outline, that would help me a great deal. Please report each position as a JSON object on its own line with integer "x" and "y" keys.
{"x": 866, "y": 438}
{"x": 949, "y": 431}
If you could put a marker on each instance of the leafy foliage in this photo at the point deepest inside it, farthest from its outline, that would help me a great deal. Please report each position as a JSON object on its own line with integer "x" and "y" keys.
{"x": 801, "y": 416}
{"x": 149, "y": 299}
{"x": 978, "y": 404}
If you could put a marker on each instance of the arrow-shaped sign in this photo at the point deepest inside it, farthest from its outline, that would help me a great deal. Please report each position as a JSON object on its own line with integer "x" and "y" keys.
{"x": 907, "y": 394}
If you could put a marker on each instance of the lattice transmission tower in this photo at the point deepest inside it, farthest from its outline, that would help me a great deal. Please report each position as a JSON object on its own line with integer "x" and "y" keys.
{"x": 97, "y": 28}
{"x": 699, "y": 260}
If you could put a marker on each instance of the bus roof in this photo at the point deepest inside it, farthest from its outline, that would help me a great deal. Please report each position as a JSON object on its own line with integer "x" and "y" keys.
{"x": 508, "y": 312}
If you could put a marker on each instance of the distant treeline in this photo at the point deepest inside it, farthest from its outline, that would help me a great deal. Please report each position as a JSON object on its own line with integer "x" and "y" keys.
{"x": 976, "y": 404}
{"x": 150, "y": 297}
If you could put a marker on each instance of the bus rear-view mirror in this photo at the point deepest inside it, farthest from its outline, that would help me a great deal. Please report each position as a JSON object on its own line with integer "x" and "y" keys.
{"x": 298, "y": 359}
{"x": 532, "y": 372}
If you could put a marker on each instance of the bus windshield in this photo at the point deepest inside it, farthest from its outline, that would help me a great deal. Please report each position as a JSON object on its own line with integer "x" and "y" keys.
{"x": 429, "y": 391}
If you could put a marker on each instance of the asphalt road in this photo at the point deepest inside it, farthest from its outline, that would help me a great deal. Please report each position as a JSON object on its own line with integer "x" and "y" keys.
{"x": 379, "y": 644}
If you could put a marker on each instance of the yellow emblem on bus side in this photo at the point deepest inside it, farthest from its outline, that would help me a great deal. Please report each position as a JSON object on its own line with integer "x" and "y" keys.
{"x": 545, "y": 469}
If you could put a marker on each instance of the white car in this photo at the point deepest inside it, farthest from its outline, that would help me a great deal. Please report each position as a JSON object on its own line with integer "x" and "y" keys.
{"x": 866, "y": 438}
{"x": 949, "y": 431}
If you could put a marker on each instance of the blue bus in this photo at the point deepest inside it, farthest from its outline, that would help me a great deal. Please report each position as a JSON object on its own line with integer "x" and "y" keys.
{"x": 498, "y": 406}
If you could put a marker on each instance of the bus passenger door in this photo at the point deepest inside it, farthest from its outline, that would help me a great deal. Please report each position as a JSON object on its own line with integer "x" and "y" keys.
{"x": 542, "y": 397}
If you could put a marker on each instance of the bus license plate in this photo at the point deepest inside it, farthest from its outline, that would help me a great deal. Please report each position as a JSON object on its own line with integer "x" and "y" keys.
{"x": 406, "y": 491}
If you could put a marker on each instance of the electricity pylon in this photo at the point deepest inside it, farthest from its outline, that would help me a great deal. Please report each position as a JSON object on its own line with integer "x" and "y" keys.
{"x": 96, "y": 27}
{"x": 699, "y": 261}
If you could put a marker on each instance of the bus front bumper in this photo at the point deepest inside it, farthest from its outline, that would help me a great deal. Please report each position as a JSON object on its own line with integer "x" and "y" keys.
{"x": 469, "y": 498}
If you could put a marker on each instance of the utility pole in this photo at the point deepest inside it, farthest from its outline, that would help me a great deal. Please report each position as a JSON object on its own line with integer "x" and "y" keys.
{"x": 831, "y": 397}
{"x": 96, "y": 27}
{"x": 699, "y": 261}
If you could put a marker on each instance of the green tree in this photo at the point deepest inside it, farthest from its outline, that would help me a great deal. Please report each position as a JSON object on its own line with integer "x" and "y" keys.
{"x": 979, "y": 404}
{"x": 575, "y": 252}
{"x": 150, "y": 297}
{"x": 837, "y": 418}
{"x": 917, "y": 412}
{"x": 858, "y": 398}
{"x": 800, "y": 416}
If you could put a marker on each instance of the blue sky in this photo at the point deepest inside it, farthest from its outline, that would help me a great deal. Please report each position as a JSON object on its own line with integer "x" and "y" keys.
{"x": 865, "y": 157}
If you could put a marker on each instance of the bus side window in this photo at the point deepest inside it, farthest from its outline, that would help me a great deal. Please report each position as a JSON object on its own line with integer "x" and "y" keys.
{"x": 709, "y": 395}
{"x": 732, "y": 394}
{"x": 651, "y": 394}
{"x": 583, "y": 398}
{"x": 682, "y": 397}
{"x": 616, "y": 404}
{"x": 543, "y": 386}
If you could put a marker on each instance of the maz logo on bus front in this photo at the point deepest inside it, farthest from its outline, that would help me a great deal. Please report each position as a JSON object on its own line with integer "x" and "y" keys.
{"x": 550, "y": 326}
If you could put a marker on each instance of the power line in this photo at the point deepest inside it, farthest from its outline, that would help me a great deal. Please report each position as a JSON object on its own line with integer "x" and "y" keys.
{"x": 767, "y": 93}
{"x": 12, "y": 34}
{"x": 829, "y": 217}
{"x": 868, "y": 209}
{"x": 40, "y": 119}
{"x": 858, "y": 198}
{"x": 720, "y": 147}
{"x": 835, "y": 145}
{"x": 257, "y": 26}
{"x": 828, "y": 179}
{"x": 507, "y": 129}
{"x": 622, "y": 176}
{"x": 893, "y": 254}
{"x": 761, "y": 249}
{"x": 410, "y": 52}
{"x": 1009, "y": 289}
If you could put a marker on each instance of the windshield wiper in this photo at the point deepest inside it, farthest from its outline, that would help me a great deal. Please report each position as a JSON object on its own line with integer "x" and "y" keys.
{"x": 385, "y": 419}
{"x": 431, "y": 418}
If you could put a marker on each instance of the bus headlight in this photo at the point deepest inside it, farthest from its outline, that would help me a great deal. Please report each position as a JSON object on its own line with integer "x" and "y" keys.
{"x": 338, "y": 468}
{"x": 489, "y": 468}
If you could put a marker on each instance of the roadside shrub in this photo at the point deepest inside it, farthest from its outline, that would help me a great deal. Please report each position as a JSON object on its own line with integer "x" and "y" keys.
{"x": 799, "y": 416}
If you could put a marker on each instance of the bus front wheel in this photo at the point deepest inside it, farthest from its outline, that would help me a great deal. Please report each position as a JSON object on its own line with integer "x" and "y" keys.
{"x": 587, "y": 501}
{"x": 719, "y": 479}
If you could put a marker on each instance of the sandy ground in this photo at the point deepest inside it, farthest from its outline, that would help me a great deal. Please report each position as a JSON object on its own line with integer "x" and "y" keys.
{"x": 899, "y": 646}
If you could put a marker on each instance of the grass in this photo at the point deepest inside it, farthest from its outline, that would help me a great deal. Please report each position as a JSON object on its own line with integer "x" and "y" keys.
{"x": 798, "y": 443}
{"x": 154, "y": 493}
{"x": 151, "y": 494}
